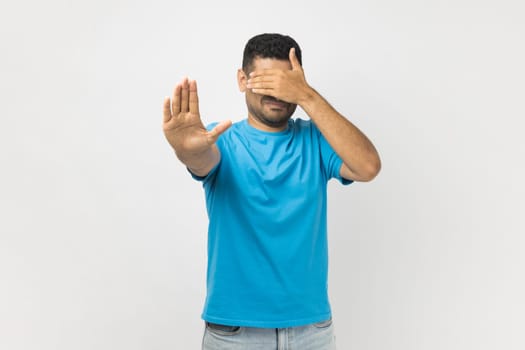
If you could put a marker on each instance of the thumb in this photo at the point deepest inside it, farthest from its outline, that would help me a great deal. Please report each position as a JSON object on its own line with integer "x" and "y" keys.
{"x": 293, "y": 59}
{"x": 214, "y": 134}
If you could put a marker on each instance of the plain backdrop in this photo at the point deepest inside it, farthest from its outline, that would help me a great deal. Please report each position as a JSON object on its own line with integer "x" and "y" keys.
{"x": 103, "y": 233}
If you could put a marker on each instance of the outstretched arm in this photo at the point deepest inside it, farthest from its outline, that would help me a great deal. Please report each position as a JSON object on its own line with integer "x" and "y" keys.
{"x": 183, "y": 128}
{"x": 361, "y": 160}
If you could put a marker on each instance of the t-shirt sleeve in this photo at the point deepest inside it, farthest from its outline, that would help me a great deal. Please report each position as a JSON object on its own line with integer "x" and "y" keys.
{"x": 331, "y": 162}
{"x": 212, "y": 172}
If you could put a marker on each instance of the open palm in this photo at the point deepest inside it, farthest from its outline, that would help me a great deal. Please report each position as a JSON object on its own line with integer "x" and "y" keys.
{"x": 182, "y": 123}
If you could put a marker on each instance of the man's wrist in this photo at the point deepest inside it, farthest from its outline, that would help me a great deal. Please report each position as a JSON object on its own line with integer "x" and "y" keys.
{"x": 199, "y": 160}
{"x": 307, "y": 98}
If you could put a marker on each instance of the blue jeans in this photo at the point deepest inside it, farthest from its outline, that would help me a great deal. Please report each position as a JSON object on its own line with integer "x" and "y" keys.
{"x": 317, "y": 336}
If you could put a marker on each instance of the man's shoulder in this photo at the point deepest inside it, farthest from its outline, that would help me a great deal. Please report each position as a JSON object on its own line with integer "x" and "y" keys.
{"x": 302, "y": 123}
{"x": 305, "y": 127}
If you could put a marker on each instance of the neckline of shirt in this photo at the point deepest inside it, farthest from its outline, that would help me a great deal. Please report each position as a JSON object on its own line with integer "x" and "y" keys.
{"x": 256, "y": 131}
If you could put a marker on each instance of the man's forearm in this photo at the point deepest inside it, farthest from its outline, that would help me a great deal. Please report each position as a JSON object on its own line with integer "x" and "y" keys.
{"x": 200, "y": 164}
{"x": 355, "y": 149}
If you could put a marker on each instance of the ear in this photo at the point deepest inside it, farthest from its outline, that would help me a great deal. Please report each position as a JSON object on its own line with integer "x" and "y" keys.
{"x": 241, "y": 80}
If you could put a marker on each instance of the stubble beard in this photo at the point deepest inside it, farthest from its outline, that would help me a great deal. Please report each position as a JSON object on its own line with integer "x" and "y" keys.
{"x": 273, "y": 122}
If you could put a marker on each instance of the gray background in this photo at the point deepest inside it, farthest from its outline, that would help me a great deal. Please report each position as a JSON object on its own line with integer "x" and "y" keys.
{"x": 103, "y": 232}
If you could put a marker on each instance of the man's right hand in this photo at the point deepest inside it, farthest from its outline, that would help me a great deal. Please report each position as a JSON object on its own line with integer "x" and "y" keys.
{"x": 182, "y": 124}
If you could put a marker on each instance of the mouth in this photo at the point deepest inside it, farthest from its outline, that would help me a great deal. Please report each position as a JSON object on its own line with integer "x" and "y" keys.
{"x": 275, "y": 103}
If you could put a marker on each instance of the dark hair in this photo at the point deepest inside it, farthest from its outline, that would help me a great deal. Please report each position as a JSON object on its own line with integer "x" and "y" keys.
{"x": 269, "y": 46}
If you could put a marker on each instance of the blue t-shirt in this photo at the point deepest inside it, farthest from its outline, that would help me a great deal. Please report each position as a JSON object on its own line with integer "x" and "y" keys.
{"x": 267, "y": 241}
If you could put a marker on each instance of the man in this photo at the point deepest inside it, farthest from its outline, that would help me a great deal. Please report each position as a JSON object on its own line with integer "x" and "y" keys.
{"x": 265, "y": 181}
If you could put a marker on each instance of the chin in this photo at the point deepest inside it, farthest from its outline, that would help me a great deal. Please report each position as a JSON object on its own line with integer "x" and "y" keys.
{"x": 275, "y": 121}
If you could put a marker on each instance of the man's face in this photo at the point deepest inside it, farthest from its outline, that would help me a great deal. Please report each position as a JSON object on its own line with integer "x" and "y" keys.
{"x": 267, "y": 110}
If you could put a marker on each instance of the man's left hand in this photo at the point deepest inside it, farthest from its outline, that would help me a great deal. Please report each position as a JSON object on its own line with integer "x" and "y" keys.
{"x": 286, "y": 85}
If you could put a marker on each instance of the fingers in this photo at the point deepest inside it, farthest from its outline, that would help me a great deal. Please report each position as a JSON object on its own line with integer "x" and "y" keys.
{"x": 266, "y": 92}
{"x": 293, "y": 59}
{"x": 166, "y": 109}
{"x": 262, "y": 79}
{"x": 184, "y": 96}
{"x": 184, "y": 99}
{"x": 214, "y": 134}
{"x": 194, "y": 98}
{"x": 175, "y": 103}
{"x": 260, "y": 82}
{"x": 264, "y": 72}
